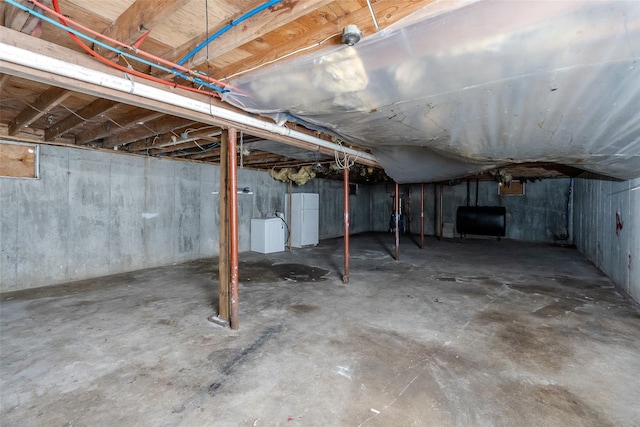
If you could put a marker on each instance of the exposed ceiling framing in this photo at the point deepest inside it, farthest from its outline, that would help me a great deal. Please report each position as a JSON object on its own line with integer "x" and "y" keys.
{"x": 41, "y": 107}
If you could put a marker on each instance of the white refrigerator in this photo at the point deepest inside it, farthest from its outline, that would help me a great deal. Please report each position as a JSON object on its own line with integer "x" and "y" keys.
{"x": 304, "y": 221}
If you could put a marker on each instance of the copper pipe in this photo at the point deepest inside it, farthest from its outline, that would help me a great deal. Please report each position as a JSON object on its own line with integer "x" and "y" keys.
{"x": 345, "y": 278}
{"x": 422, "y": 215}
{"x": 233, "y": 227}
{"x": 396, "y": 207}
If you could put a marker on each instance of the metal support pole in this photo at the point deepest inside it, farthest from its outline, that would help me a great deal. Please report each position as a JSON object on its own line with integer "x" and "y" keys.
{"x": 396, "y": 207}
{"x": 290, "y": 212}
{"x": 345, "y": 278}
{"x": 422, "y": 215}
{"x": 441, "y": 212}
{"x": 233, "y": 227}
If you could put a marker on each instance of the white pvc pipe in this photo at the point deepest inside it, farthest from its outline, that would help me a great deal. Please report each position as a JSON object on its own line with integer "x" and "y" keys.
{"x": 41, "y": 62}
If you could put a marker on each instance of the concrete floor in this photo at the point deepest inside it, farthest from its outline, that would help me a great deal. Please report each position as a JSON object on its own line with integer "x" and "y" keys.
{"x": 462, "y": 333}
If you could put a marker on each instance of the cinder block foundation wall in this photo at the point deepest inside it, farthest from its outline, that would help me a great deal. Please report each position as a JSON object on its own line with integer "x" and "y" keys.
{"x": 539, "y": 216}
{"x": 96, "y": 213}
{"x": 607, "y": 228}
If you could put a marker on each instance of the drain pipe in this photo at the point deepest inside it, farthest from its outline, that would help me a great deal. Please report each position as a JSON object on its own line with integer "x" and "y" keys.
{"x": 233, "y": 228}
{"x": 220, "y": 115}
{"x": 345, "y": 278}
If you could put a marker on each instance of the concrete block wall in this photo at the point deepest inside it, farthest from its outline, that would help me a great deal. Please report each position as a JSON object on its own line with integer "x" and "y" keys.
{"x": 539, "y": 215}
{"x": 607, "y": 228}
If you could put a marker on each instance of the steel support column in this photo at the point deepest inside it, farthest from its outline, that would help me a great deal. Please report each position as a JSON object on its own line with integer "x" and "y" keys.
{"x": 345, "y": 278}
{"x": 396, "y": 207}
{"x": 422, "y": 215}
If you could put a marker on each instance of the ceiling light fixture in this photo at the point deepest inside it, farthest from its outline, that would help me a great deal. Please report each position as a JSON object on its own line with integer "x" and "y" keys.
{"x": 351, "y": 35}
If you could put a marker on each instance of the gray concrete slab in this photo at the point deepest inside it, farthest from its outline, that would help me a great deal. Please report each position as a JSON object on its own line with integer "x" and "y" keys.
{"x": 462, "y": 333}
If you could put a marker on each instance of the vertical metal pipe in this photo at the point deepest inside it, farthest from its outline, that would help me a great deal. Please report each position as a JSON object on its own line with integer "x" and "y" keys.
{"x": 290, "y": 211}
{"x": 422, "y": 215}
{"x": 233, "y": 227}
{"x": 373, "y": 15}
{"x": 396, "y": 207}
{"x": 345, "y": 278}
{"x": 441, "y": 211}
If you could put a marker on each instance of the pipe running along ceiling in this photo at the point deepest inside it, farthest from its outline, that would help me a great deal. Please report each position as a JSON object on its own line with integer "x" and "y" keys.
{"x": 462, "y": 87}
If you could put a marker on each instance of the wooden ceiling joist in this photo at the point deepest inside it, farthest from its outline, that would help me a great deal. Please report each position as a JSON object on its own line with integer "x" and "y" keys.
{"x": 97, "y": 107}
{"x": 256, "y": 26}
{"x": 168, "y": 140}
{"x": 387, "y": 12}
{"x": 148, "y": 95}
{"x": 110, "y": 128}
{"x": 145, "y": 130}
{"x": 33, "y": 112}
{"x": 139, "y": 19}
{"x": 4, "y": 80}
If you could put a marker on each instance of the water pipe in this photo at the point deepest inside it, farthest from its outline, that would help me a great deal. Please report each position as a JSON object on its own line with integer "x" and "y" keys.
{"x": 226, "y": 28}
{"x": 75, "y": 34}
{"x": 29, "y": 59}
{"x": 108, "y": 62}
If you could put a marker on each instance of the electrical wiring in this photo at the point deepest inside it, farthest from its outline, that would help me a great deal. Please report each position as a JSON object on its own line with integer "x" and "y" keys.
{"x": 202, "y": 150}
{"x": 226, "y": 28}
{"x": 112, "y": 121}
{"x": 76, "y": 114}
{"x": 316, "y": 44}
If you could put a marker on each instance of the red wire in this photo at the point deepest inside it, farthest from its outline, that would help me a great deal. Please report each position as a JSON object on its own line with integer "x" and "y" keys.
{"x": 104, "y": 60}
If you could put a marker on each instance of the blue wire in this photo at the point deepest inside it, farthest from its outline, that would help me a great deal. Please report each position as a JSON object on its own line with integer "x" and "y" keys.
{"x": 226, "y": 28}
{"x": 119, "y": 52}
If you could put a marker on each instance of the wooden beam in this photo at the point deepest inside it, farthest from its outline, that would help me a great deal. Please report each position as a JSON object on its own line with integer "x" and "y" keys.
{"x": 223, "y": 235}
{"x": 109, "y": 128}
{"x": 232, "y": 186}
{"x": 144, "y": 130}
{"x": 216, "y": 152}
{"x": 254, "y": 27}
{"x": 139, "y": 18}
{"x": 49, "y": 99}
{"x": 15, "y": 18}
{"x": 161, "y": 143}
{"x": 4, "y": 80}
{"x": 387, "y": 12}
{"x": 99, "y": 106}
{"x": 74, "y": 58}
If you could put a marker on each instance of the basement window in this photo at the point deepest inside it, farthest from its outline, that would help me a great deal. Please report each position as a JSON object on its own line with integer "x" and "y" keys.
{"x": 516, "y": 188}
{"x": 18, "y": 160}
